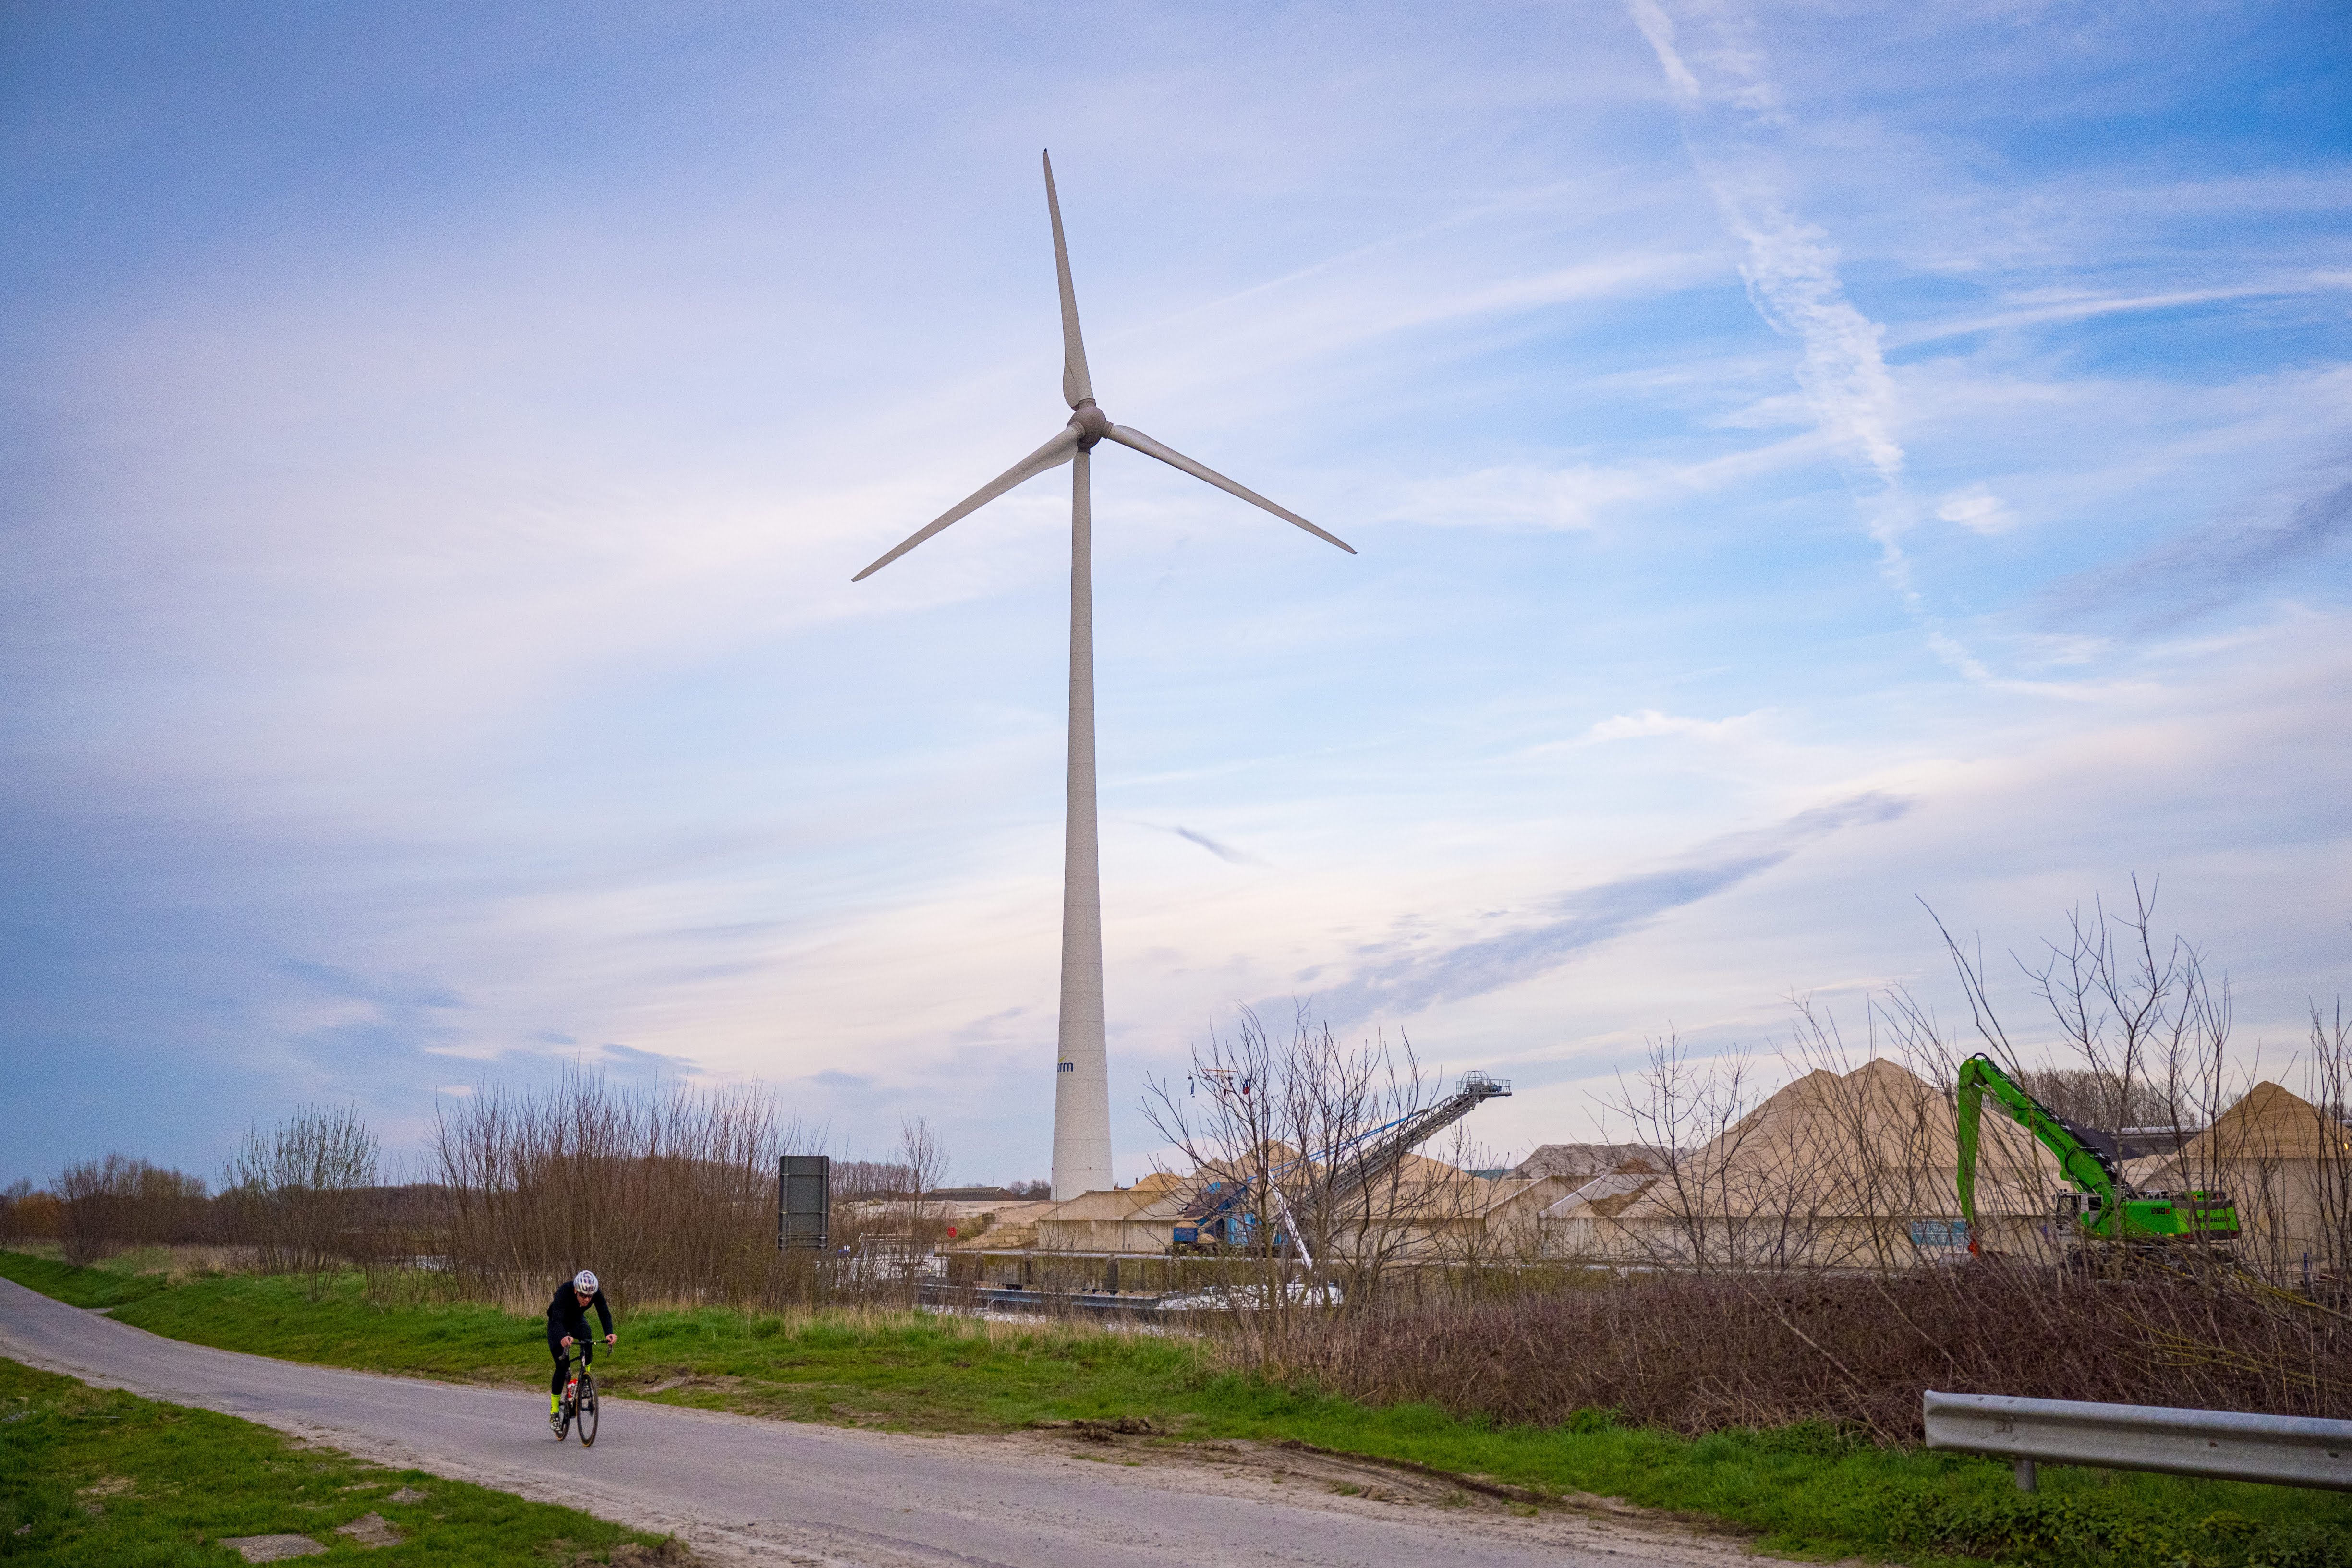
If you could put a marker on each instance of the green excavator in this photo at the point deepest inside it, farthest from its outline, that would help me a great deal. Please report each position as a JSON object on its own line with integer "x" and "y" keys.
{"x": 2103, "y": 1206}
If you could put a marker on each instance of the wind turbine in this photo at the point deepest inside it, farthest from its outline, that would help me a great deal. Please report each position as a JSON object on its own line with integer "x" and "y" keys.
{"x": 1082, "y": 1075}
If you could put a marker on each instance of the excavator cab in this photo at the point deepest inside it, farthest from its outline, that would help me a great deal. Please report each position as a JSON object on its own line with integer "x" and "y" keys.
{"x": 2080, "y": 1207}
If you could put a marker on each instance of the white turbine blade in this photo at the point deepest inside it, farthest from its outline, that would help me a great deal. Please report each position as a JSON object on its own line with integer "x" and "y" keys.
{"x": 1053, "y": 455}
{"x": 1077, "y": 386}
{"x": 1127, "y": 436}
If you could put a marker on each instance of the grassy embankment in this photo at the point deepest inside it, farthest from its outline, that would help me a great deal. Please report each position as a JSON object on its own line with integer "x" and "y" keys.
{"x": 88, "y": 1476}
{"x": 1805, "y": 1490}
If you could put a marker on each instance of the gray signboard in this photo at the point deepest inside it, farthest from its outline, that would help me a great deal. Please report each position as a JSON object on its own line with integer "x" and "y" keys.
{"x": 803, "y": 1201}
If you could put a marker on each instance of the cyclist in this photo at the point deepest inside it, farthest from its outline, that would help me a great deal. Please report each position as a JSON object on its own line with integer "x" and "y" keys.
{"x": 567, "y": 1321}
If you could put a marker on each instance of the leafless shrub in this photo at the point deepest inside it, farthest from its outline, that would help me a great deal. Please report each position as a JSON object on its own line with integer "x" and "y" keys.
{"x": 1698, "y": 1351}
{"x": 669, "y": 1195}
{"x": 299, "y": 1193}
{"x": 106, "y": 1205}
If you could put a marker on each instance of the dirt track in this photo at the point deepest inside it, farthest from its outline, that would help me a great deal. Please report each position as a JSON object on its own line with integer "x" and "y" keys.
{"x": 746, "y": 1491}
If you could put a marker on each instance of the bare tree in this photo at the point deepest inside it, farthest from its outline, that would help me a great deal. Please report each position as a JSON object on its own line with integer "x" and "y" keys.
{"x": 1285, "y": 1171}
{"x": 1698, "y": 1116}
{"x": 1871, "y": 1157}
{"x": 926, "y": 1165}
{"x": 299, "y": 1190}
{"x": 2151, "y": 1026}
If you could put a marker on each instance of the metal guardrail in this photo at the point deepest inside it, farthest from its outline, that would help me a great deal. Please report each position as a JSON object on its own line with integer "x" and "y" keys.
{"x": 2228, "y": 1445}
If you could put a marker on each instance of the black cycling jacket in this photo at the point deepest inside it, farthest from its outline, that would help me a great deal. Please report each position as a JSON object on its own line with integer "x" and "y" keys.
{"x": 565, "y": 1315}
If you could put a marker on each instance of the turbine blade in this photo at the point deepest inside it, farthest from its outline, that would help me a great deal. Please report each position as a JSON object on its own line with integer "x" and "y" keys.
{"x": 1127, "y": 436}
{"x": 1077, "y": 386}
{"x": 1053, "y": 455}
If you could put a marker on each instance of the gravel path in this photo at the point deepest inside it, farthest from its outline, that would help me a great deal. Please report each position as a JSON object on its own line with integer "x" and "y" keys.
{"x": 746, "y": 1490}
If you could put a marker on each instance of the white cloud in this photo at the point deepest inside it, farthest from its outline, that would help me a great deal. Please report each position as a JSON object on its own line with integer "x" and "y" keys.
{"x": 1976, "y": 509}
{"x": 1587, "y": 495}
{"x": 1649, "y": 722}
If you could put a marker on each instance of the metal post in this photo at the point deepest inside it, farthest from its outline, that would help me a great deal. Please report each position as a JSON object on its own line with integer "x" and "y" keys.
{"x": 2025, "y": 1475}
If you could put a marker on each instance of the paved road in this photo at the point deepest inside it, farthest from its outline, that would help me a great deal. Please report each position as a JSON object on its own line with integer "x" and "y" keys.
{"x": 772, "y": 1491}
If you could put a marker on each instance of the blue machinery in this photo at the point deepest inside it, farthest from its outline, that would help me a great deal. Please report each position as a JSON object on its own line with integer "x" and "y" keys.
{"x": 1223, "y": 1212}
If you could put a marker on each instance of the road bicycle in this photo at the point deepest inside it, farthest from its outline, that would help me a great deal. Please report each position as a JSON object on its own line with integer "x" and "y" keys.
{"x": 580, "y": 1397}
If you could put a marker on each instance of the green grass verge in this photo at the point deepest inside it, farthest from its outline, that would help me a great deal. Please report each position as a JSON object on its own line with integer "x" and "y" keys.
{"x": 79, "y": 1286}
{"x": 89, "y": 1477}
{"x": 1805, "y": 1490}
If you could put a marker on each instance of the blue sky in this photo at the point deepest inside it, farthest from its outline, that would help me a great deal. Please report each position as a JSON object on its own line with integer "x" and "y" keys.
{"x": 1805, "y": 459}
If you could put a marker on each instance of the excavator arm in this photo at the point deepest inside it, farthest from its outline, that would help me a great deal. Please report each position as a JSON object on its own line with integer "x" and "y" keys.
{"x": 2085, "y": 1165}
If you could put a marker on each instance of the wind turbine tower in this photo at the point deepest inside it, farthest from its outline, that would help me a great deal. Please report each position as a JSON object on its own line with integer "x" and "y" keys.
{"x": 1082, "y": 1068}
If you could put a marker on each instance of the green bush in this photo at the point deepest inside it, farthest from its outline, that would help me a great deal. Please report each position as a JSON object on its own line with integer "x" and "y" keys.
{"x": 2078, "y": 1531}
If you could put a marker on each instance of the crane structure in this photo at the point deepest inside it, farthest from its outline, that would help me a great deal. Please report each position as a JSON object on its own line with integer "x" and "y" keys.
{"x": 1230, "y": 1211}
{"x": 2103, "y": 1206}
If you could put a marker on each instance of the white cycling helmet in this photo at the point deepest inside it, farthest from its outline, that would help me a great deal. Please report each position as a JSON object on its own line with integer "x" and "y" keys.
{"x": 585, "y": 1281}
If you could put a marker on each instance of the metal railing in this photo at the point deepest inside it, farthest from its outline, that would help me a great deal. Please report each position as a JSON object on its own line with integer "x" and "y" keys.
{"x": 2228, "y": 1445}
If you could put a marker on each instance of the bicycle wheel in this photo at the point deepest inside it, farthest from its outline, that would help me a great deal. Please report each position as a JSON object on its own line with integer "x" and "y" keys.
{"x": 587, "y": 1412}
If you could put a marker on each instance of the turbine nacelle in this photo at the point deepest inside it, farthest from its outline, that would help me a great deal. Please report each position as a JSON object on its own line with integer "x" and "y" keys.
{"x": 1091, "y": 423}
